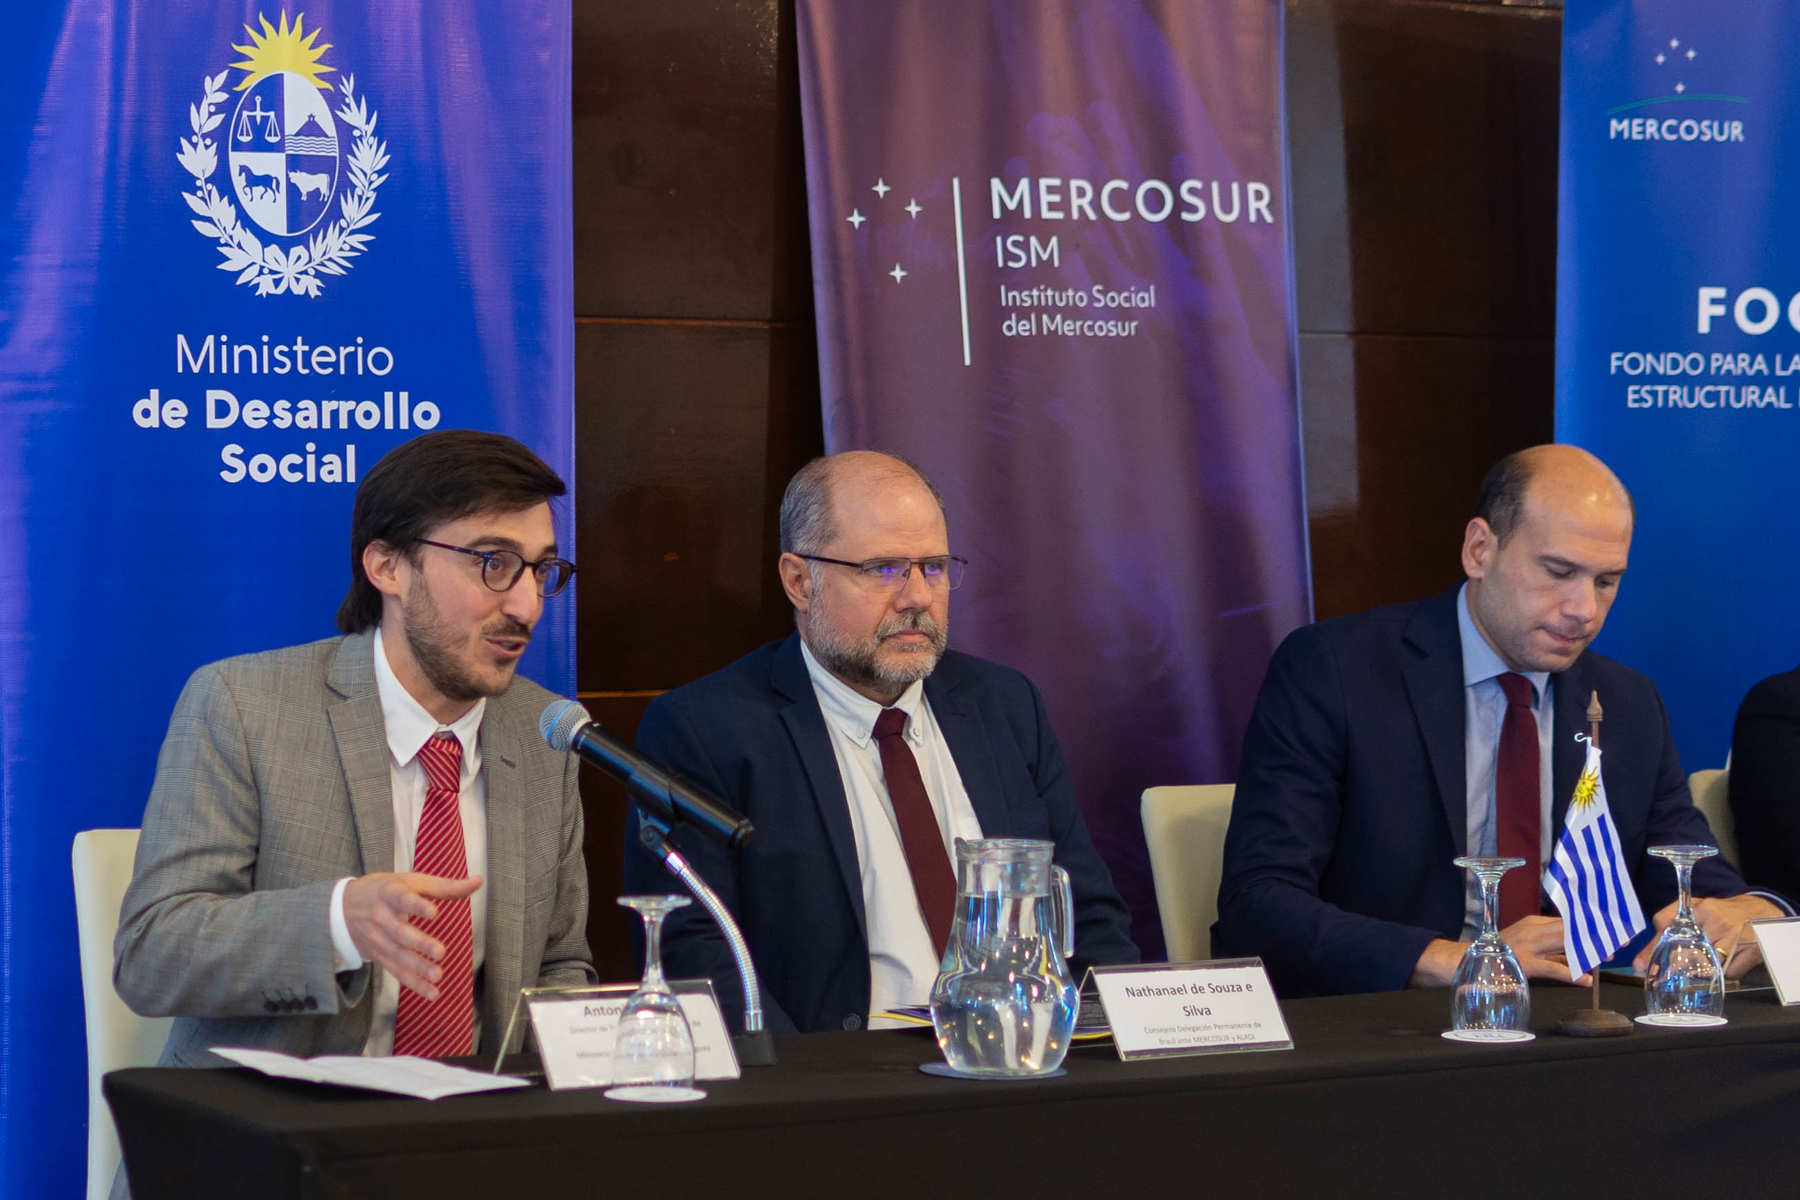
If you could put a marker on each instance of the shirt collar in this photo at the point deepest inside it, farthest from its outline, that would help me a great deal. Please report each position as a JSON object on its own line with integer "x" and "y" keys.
{"x": 1480, "y": 663}
{"x": 409, "y": 726}
{"x": 854, "y": 713}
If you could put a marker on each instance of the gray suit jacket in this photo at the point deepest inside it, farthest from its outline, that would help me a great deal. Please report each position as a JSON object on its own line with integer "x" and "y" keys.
{"x": 272, "y": 785}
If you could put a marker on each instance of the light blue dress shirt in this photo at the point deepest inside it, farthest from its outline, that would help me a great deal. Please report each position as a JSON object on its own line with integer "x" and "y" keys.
{"x": 1484, "y": 712}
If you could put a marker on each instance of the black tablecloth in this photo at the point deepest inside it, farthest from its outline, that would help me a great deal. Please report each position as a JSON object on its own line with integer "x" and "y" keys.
{"x": 1370, "y": 1101}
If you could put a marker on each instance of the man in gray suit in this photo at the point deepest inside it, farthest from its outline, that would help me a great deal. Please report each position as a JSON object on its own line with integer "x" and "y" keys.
{"x": 362, "y": 845}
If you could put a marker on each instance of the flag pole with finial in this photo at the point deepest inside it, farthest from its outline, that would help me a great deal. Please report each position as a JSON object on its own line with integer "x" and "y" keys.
{"x": 1595, "y": 1021}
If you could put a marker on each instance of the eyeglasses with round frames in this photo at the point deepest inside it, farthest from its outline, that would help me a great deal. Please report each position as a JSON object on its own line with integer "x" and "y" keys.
{"x": 891, "y": 574}
{"x": 502, "y": 569}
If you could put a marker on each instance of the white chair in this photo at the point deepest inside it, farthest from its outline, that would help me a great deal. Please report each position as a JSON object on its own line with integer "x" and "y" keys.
{"x": 116, "y": 1036}
{"x": 1185, "y": 830}
{"x": 1712, "y": 796}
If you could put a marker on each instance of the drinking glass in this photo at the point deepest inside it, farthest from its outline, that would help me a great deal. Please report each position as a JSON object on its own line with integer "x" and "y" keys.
{"x": 1685, "y": 982}
{"x": 1489, "y": 998}
{"x": 653, "y": 1051}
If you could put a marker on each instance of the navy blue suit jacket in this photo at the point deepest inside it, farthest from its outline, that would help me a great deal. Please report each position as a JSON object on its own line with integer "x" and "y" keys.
{"x": 754, "y": 736}
{"x": 1351, "y": 800}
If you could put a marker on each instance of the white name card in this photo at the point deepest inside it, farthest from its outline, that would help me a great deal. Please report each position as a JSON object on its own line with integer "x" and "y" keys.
{"x": 1160, "y": 1010}
{"x": 1780, "y": 942}
{"x": 575, "y": 1027}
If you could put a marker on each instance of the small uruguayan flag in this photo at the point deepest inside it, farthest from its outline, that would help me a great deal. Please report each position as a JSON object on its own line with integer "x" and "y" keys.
{"x": 1587, "y": 877}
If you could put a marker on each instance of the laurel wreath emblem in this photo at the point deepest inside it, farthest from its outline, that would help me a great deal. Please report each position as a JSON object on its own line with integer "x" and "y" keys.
{"x": 270, "y": 268}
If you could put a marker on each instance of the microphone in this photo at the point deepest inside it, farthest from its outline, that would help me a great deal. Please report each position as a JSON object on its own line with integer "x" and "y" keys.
{"x": 567, "y": 726}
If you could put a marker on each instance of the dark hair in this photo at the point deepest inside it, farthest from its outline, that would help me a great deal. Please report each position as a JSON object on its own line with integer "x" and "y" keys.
{"x": 1501, "y": 500}
{"x": 807, "y": 521}
{"x": 430, "y": 481}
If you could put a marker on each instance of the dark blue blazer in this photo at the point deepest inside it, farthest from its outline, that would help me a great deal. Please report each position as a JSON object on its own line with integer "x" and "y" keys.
{"x": 754, "y": 736}
{"x": 1351, "y": 800}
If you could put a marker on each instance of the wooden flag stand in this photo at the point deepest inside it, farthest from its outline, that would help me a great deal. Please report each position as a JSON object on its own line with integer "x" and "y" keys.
{"x": 1594, "y": 1021}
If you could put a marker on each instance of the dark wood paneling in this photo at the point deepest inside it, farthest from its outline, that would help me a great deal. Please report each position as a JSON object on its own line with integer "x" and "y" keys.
{"x": 603, "y": 804}
{"x": 1433, "y": 414}
{"x": 690, "y": 184}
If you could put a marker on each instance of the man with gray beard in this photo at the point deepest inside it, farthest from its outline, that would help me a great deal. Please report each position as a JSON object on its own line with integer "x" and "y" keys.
{"x": 862, "y": 749}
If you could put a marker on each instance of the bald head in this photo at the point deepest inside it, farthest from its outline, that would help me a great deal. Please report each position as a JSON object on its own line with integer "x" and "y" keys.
{"x": 1544, "y": 554}
{"x": 809, "y": 509}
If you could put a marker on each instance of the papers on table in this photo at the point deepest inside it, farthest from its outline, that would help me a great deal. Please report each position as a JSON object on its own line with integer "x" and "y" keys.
{"x": 401, "y": 1074}
{"x": 1090, "y": 1025}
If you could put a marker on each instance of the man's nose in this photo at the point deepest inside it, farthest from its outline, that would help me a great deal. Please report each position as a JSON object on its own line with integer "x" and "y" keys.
{"x": 1581, "y": 601}
{"x": 915, "y": 594}
{"x": 521, "y": 601}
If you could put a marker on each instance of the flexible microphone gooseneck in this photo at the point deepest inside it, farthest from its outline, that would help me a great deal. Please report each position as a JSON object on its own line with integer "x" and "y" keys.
{"x": 567, "y": 726}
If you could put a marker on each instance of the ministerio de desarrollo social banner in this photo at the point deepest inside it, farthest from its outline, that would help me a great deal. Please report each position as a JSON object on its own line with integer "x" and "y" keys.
{"x": 248, "y": 250}
{"x": 1052, "y": 266}
{"x": 1678, "y": 333}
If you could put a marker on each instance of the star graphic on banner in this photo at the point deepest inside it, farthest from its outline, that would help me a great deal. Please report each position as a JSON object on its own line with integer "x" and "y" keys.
{"x": 1690, "y": 55}
{"x": 1674, "y": 42}
{"x": 1681, "y": 87}
{"x": 856, "y": 218}
{"x": 898, "y": 272}
{"x": 881, "y": 188}
{"x": 1661, "y": 59}
{"x": 915, "y": 208}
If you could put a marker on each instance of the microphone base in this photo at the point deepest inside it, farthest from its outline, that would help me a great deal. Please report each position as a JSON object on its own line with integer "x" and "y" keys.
{"x": 755, "y": 1049}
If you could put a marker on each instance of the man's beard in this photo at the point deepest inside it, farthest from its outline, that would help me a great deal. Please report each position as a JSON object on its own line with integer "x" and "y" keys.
{"x": 433, "y": 649}
{"x": 858, "y": 660}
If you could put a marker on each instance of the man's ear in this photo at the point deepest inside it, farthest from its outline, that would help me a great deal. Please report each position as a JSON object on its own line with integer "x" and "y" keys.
{"x": 1478, "y": 548}
{"x": 386, "y": 567}
{"x": 796, "y": 581}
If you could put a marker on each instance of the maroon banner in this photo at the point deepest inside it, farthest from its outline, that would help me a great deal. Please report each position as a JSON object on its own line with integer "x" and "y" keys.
{"x": 1051, "y": 258}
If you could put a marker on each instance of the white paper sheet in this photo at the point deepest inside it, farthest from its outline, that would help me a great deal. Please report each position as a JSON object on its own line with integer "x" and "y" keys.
{"x": 401, "y": 1074}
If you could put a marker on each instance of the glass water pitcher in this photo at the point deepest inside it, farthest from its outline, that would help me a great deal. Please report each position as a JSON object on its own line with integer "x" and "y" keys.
{"x": 1004, "y": 1002}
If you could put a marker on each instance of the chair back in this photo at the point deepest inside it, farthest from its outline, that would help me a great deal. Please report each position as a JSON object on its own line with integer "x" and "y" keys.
{"x": 116, "y": 1036}
{"x": 1712, "y": 796}
{"x": 1185, "y": 830}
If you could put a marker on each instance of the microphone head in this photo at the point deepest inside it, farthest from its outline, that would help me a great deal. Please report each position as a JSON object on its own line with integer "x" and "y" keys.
{"x": 560, "y": 721}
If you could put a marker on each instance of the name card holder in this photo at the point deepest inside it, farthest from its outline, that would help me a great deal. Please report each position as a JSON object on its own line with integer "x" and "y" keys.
{"x": 1779, "y": 938}
{"x": 1166, "y": 1010}
{"x": 574, "y": 1029}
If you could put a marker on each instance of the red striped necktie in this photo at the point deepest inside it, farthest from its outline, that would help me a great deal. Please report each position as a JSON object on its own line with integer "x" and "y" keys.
{"x": 1518, "y": 814}
{"x": 445, "y": 1027}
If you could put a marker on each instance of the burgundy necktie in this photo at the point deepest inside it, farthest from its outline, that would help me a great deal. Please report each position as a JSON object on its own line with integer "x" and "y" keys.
{"x": 445, "y": 1027}
{"x": 933, "y": 881}
{"x": 1517, "y": 803}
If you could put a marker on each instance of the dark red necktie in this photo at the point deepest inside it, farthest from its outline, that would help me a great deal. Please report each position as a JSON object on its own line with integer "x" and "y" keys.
{"x": 933, "y": 881}
{"x": 445, "y": 1027}
{"x": 1518, "y": 813}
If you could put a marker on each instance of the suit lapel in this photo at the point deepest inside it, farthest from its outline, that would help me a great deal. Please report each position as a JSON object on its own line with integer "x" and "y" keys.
{"x": 806, "y": 725}
{"x": 1567, "y": 756}
{"x": 361, "y": 733}
{"x": 971, "y": 748}
{"x": 503, "y": 965}
{"x": 1434, "y": 684}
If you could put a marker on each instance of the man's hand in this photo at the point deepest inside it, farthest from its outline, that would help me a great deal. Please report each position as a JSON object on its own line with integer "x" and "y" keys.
{"x": 378, "y": 911}
{"x": 1723, "y": 922}
{"x": 1538, "y": 941}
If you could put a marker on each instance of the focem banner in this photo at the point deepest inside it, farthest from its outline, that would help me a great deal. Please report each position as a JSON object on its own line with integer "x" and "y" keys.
{"x": 1678, "y": 332}
{"x": 248, "y": 250}
{"x": 1051, "y": 257}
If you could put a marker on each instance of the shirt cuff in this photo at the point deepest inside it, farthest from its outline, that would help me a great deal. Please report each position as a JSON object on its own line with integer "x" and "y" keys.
{"x": 343, "y": 947}
{"x": 1775, "y": 898}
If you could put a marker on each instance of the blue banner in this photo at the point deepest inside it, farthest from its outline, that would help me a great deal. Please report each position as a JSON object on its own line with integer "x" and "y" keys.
{"x": 1052, "y": 262}
{"x": 248, "y": 251}
{"x": 1678, "y": 332}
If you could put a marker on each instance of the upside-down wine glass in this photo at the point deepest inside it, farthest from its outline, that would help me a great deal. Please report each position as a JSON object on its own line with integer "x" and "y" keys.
{"x": 1685, "y": 982}
{"x": 1489, "y": 998}
{"x": 653, "y": 1051}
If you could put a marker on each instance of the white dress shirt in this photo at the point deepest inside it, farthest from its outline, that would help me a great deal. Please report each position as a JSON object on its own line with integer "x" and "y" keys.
{"x": 903, "y": 961}
{"x": 1484, "y": 710}
{"x": 409, "y": 727}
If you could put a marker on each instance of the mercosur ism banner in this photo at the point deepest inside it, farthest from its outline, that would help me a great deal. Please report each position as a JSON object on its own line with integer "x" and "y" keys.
{"x": 1051, "y": 260}
{"x": 1678, "y": 333}
{"x": 249, "y": 249}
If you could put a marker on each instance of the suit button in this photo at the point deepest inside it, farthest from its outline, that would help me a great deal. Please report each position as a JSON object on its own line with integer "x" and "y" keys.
{"x": 312, "y": 1002}
{"x": 853, "y": 1021}
{"x": 271, "y": 1006}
